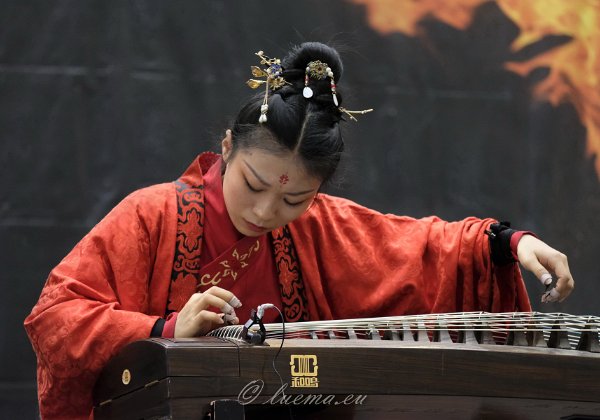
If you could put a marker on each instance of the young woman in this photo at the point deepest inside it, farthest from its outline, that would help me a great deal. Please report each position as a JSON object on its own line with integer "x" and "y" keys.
{"x": 250, "y": 227}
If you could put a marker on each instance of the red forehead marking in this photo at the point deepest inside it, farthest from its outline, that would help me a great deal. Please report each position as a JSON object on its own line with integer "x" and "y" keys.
{"x": 283, "y": 179}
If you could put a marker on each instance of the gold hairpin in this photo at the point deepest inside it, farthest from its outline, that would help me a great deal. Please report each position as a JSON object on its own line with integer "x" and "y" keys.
{"x": 319, "y": 71}
{"x": 273, "y": 80}
{"x": 349, "y": 113}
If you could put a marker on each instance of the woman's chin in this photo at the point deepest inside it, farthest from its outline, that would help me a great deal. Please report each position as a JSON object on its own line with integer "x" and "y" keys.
{"x": 248, "y": 229}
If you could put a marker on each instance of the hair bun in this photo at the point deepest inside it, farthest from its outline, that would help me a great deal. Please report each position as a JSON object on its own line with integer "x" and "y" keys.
{"x": 299, "y": 57}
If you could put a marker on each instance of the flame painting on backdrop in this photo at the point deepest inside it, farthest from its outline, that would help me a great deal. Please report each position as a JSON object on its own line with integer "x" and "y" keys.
{"x": 557, "y": 36}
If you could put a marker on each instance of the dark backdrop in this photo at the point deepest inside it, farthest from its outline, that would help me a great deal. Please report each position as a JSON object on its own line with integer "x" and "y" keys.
{"x": 99, "y": 98}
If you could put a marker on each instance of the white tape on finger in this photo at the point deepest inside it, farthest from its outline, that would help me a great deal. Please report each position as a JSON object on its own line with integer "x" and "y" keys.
{"x": 235, "y": 302}
{"x": 227, "y": 309}
{"x": 229, "y": 317}
{"x": 551, "y": 296}
{"x": 546, "y": 279}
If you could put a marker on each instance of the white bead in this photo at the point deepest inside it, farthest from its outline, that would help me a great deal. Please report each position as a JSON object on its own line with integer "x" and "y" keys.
{"x": 264, "y": 108}
{"x": 335, "y": 101}
{"x": 262, "y": 118}
{"x": 307, "y": 92}
{"x": 330, "y": 74}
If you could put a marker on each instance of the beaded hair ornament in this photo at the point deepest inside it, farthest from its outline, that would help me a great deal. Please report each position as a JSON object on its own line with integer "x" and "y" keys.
{"x": 274, "y": 80}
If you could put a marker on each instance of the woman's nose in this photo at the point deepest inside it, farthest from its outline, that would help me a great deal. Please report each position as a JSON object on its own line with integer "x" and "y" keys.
{"x": 265, "y": 210}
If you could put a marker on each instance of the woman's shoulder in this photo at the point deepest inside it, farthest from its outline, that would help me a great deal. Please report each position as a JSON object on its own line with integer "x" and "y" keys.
{"x": 148, "y": 203}
{"x": 152, "y": 194}
{"x": 329, "y": 204}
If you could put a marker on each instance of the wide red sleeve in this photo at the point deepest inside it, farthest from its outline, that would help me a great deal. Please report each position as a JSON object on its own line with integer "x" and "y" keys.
{"x": 104, "y": 294}
{"x": 357, "y": 262}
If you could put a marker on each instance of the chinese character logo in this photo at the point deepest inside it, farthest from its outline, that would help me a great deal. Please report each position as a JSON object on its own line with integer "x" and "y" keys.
{"x": 304, "y": 370}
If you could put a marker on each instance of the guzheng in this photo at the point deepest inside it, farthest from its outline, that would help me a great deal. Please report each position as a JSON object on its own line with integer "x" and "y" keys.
{"x": 442, "y": 366}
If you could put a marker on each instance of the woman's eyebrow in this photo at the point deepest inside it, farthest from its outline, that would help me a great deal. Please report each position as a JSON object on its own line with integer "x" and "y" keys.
{"x": 266, "y": 184}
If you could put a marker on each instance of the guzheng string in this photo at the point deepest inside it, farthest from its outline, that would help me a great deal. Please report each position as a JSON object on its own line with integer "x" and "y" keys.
{"x": 496, "y": 323}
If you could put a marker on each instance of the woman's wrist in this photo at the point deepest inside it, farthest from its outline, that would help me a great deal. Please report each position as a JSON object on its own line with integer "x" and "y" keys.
{"x": 165, "y": 328}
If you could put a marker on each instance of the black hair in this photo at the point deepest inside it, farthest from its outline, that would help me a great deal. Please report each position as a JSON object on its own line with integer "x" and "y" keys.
{"x": 307, "y": 127}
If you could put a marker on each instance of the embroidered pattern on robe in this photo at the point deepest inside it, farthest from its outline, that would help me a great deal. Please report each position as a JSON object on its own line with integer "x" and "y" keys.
{"x": 231, "y": 265}
{"x": 188, "y": 244}
{"x": 290, "y": 277}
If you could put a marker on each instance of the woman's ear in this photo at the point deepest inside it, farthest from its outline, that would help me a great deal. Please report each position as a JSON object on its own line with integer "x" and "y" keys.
{"x": 227, "y": 145}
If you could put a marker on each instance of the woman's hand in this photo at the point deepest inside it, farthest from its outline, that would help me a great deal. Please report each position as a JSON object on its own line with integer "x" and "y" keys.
{"x": 544, "y": 261}
{"x": 195, "y": 319}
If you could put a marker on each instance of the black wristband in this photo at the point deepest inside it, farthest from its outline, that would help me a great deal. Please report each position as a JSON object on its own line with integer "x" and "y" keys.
{"x": 500, "y": 234}
{"x": 158, "y": 328}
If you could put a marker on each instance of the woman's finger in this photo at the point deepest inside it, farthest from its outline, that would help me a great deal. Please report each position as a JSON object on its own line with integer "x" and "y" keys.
{"x": 226, "y": 295}
{"x": 209, "y": 316}
{"x": 230, "y": 319}
{"x": 565, "y": 283}
{"x": 551, "y": 295}
{"x": 210, "y": 300}
{"x": 532, "y": 264}
{"x": 208, "y": 321}
{"x": 546, "y": 279}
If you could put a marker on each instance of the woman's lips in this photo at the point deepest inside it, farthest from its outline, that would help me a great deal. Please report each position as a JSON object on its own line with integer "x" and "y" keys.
{"x": 255, "y": 228}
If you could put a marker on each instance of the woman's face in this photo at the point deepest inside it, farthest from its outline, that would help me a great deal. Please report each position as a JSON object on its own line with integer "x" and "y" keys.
{"x": 264, "y": 191}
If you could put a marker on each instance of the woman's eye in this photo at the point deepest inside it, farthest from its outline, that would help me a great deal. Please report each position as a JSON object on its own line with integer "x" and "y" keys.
{"x": 250, "y": 187}
{"x": 293, "y": 204}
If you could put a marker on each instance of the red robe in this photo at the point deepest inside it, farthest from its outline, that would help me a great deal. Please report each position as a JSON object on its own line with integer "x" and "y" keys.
{"x": 354, "y": 262}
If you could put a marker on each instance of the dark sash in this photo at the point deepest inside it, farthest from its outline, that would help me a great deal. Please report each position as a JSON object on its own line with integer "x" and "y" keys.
{"x": 291, "y": 285}
{"x": 188, "y": 244}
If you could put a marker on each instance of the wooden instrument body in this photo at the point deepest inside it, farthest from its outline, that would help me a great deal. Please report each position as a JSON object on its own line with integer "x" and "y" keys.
{"x": 178, "y": 379}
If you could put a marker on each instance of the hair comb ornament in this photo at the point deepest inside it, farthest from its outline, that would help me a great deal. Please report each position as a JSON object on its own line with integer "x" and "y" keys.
{"x": 319, "y": 71}
{"x": 273, "y": 80}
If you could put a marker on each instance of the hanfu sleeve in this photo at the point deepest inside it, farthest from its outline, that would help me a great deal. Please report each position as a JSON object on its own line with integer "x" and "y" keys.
{"x": 357, "y": 262}
{"x": 95, "y": 301}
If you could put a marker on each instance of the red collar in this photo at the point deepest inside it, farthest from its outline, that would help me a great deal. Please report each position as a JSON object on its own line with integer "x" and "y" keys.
{"x": 200, "y": 166}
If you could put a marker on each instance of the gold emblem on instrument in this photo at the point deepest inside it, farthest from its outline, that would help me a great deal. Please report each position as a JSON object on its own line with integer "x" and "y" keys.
{"x": 304, "y": 368}
{"x": 126, "y": 377}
